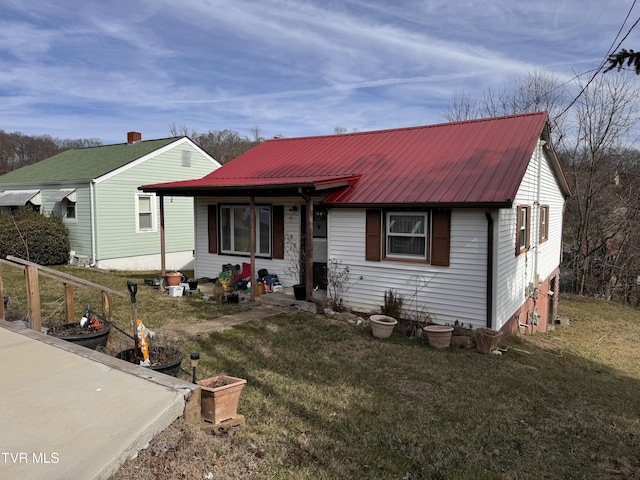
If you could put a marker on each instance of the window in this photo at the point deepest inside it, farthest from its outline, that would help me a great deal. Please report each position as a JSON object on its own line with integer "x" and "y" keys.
{"x": 277, "y": 229}
{"x": 406, "y": 235}
{"x": 544, "y": 223}
{"x": 235, "y": 230}
{"x": 70, "y": 211}
{"x": 523, "y": 230}
{"x": 145, "y": 212}
{"x": 186, "y": 158}
{"x": 412, "y": 236}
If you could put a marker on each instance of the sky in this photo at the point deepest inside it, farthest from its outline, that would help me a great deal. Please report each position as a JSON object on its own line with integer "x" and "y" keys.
{"x": 99, "y": 69}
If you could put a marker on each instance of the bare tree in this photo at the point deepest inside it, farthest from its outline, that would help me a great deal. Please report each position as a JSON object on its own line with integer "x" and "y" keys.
{"x": 597, "y": 222}
{"x": 462, "y": 106}
{"x": 535, "y": 92}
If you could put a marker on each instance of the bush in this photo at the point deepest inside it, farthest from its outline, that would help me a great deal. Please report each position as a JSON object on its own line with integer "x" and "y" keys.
{"x": 392, "y": 304}
{"x": 31, "y": 236}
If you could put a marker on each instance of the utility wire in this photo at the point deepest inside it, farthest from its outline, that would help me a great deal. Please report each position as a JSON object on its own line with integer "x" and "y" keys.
{"x": 606, "y": 57}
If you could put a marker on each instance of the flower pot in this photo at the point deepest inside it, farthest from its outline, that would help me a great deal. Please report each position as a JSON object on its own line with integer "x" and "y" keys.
{"x": 74, "y": 333}
{"x": 438, "y": 336}
{"x": 173, "y": 279}
{"x": 163, "y": 359}
{"x": 487, "y": 339}
{"x": 300, "y": 292}
{"x": 382, "y": 325}
{"x": 219, "y": 397}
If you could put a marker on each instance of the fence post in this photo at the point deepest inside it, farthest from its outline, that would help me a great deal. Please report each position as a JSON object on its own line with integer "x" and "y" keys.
{"x": 107, "y": 305}
{"x": 33, "y": 298}
{"x": 69, "y": 303}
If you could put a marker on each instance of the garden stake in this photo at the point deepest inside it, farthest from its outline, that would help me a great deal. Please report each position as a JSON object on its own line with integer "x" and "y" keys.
{"x": 133, "y": 290}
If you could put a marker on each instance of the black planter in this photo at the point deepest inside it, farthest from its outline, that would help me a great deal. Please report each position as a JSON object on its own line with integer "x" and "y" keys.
{"x": 170, "y": 368}
{"x": 92, "y": 339}
{"x": 300, "y": 292}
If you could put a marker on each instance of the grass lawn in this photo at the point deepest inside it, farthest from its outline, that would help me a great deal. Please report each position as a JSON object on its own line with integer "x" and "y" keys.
{"x": 326, "y": 400}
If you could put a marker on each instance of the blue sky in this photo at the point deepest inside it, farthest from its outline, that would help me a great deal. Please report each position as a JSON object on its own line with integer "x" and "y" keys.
{"x": 77, "y": 69}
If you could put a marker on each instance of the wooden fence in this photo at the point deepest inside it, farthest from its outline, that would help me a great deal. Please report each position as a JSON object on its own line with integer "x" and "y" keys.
{"x": 33, "y": 271}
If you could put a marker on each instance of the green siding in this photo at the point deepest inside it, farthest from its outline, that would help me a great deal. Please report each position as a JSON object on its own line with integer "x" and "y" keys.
{"x": 116, "y": 206}
{"x": 80, "y": 230}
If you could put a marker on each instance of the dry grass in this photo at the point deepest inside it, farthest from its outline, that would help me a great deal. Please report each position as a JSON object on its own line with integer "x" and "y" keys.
{"x": 326, "y": 400}
{"x": 153, "y": 307}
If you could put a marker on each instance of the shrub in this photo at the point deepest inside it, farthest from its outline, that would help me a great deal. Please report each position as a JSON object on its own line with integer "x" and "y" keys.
{"x": 31, "y": 236}
{"x": 392, "y": 304}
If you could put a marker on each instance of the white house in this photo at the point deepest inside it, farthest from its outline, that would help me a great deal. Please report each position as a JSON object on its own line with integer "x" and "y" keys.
{"x": 94, "y": 190}
{"x": 464, "y": 219}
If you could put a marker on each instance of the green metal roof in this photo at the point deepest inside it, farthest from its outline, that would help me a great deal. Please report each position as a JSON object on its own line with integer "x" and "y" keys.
{"x": 84, "y": 163}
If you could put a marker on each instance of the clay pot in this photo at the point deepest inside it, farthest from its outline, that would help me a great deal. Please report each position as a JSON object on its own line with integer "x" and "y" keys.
{"x": 382, "y": 325}
{"x": 438, "y": 336}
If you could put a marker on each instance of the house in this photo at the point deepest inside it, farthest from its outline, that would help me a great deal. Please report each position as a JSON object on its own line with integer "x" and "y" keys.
{"x": 464, "y": 219}
{"x": 113, "y": 225}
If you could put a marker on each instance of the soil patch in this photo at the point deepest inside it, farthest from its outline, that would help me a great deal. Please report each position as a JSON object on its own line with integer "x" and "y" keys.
{"x": 74, "y": 330}
{"x": 157, "y": 355}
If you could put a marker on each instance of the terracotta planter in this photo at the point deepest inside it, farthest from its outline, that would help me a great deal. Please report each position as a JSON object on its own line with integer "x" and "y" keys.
{"x": 487, "y": 339}
{"x": 382, "y": 325}
{"x": 438, "y": 336}
{"x": 173, "y": 279}
{"x": 219, "y": 397}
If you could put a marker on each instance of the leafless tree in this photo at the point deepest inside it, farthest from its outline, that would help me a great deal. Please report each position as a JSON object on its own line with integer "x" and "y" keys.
{"x": 537, "y": 91}
{"x": 18, "y": 149}
{"x": 598, "y": 221}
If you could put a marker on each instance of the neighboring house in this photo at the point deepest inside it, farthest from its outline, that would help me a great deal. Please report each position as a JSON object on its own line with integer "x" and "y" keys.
{"x": 464, "y": 220}
{"x": 112, "y": 225}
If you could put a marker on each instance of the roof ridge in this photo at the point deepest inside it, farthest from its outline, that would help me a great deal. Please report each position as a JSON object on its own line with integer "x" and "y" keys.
{"x": 415, "y": 127}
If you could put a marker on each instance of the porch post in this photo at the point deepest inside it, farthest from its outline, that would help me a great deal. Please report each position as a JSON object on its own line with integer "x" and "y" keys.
{"x": 163, "y": 265}
{"x": 309, "y": 249}
{"x": 252, "y": 248}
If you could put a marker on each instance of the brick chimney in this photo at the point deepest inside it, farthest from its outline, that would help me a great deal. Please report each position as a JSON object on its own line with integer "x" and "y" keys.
{"x": 133, "y": 137}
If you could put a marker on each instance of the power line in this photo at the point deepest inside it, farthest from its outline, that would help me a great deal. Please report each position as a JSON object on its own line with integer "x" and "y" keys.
{"x": 606, "y": 58}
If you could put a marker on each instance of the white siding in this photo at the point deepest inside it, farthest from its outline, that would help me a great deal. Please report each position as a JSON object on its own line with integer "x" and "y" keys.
{"x": 210, "y": 265}
{"x": 517, "y": 274}
{"x": 456, "y": 292}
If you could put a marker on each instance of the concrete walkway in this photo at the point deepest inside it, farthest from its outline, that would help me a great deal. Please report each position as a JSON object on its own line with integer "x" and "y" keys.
{"x": 70, "y": 412}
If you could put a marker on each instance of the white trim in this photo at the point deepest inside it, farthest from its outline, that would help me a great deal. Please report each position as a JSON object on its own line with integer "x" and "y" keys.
{"x": 65, "y": 205}
{"x": 155, "y": 153}
{"x": 424, "y": 235}
{"x": 92, "y": 220}
{"x": 153, "y": 212}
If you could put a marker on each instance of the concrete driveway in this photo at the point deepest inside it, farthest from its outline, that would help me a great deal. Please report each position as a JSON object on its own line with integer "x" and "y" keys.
{"x": 70, "y": 412}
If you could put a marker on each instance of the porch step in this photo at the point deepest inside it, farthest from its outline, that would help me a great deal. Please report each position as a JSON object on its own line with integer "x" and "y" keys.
{"x": 286, "y": 299}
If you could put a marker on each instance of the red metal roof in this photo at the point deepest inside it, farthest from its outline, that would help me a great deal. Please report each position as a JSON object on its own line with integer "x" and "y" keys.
{"x": 471, "y": 162}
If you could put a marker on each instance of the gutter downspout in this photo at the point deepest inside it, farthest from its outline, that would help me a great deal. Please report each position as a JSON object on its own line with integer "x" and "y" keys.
{"x": 489, "y": 298}
{"x": 163, "y": 244}
{"x": 92, "y": 221}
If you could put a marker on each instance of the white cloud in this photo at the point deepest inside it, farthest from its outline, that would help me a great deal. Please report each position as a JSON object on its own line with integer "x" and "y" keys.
{"x": 290, "y": 67}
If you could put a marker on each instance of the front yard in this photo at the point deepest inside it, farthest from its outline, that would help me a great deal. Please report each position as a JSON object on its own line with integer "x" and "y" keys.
{"x": 326, "y": 400}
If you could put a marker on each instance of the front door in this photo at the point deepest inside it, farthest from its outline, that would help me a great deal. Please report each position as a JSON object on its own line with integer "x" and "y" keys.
{"x": 320, "y": 250}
